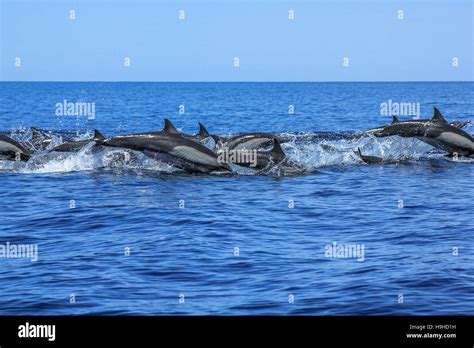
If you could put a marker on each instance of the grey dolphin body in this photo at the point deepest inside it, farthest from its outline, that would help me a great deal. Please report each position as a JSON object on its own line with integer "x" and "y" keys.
{"x": 247, "y": 141}
{"x": 171, "y": 148}
{"x": 263, "y": 158}
{"x": 442, "y": 135}
{"x": 11, "y": 149}
{"x": 411, "y": 128}
{"x": 74, "y": 146}
{"x": 436, "y": 132}
{"x": 382, "y": 131}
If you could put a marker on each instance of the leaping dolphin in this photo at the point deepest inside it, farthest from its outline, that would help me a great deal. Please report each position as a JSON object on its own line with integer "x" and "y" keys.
{"x": 442, "y": 135}
{"x": 381, "y": 131}
{"x": 436, "y": 132}
{"x": 170, "y": 147}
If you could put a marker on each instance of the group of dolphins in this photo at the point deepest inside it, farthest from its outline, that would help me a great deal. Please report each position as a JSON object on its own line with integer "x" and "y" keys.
{"x": 189, "y": 153}
{"x": 182, "y": 151}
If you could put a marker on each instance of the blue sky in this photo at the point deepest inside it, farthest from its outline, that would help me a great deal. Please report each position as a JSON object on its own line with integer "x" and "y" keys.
{"x": 270, "y": 46}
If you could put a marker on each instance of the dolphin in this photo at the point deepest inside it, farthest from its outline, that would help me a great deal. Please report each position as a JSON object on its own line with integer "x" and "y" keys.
{"x": 12, "y": 150}
{"x": 171, "y": 148}
{"x": 410, "y": 128}
{"x": 253, "y": 158}
{"x": 381, "y": 131}
{"x": 247, "y": 141}
{"x": 437, "y": 132}
{"x": 73, "y": 146}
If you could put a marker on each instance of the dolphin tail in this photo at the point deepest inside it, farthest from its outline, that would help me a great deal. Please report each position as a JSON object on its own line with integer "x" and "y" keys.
{"x": 170, "y": 128}
{"x": 203, "y": 131}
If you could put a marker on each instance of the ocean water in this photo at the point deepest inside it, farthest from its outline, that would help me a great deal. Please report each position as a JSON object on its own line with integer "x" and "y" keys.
{"x": 114, "y": 238}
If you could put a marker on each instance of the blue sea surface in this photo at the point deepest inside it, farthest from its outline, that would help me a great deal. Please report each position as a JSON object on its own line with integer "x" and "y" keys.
{"x": 141, "y": 240}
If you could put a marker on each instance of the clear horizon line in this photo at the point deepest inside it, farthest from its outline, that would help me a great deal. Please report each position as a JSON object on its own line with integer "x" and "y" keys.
{"x": 248, "y": 81}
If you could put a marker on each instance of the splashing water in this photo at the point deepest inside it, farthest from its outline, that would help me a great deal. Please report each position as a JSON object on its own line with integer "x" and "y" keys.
{"x": 306, "y": 152}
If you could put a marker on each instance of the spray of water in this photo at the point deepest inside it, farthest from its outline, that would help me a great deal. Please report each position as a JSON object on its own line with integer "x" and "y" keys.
{"x": 306, "y": 153}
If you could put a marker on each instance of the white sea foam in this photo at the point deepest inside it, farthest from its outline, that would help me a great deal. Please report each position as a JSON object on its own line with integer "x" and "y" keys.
{"x": 306, "y": 153}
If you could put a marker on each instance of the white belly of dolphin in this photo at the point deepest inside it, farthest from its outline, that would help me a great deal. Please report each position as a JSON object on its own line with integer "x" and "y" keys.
{"x": 5, "y": 146}
{"x": 457, "y": 140}
{"x": 193, "y": 155}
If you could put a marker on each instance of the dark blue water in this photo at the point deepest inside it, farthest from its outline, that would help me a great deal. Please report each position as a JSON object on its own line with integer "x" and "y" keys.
{"x": 185, "y": 260}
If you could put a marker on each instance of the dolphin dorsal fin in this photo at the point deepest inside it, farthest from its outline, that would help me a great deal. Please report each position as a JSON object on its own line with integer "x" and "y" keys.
{"x": 360, "y": 152}
{"x": 170, "y": 128}
{"x": 98, "y": 135}
{"x": 277, "y": 148}
{"x": 36, "y": 134}
{"x": 203, "y": 131}
{"x": 395, "y": 119}
{"x": 437, "y": 117}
